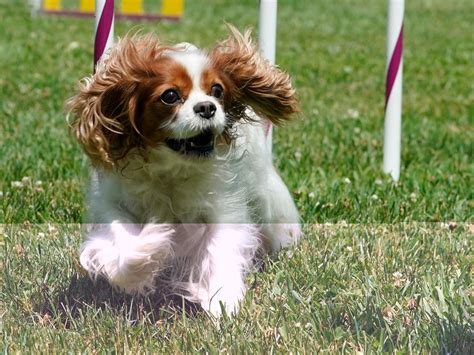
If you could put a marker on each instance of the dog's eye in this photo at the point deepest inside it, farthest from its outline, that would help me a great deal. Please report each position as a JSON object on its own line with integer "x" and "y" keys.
{"x": 217, "y": 91}
{"x": 170, "y": 97}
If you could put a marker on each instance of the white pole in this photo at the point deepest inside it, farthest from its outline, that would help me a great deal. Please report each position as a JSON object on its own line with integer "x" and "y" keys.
{"x": 393, "y": 95}
{"x": 267, "y": 25}
{"x": 104, "y": 27}
{"x": 36, "y": 6}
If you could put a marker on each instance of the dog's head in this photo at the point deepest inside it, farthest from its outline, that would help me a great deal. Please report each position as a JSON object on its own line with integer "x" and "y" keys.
{"x": 147, "y": 95}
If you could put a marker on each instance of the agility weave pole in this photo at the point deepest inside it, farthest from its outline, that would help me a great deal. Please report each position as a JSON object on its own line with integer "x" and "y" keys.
{"x": 104, "y": 27}
{"x": 267, "y": 26}
{"x": 393, "y": 91}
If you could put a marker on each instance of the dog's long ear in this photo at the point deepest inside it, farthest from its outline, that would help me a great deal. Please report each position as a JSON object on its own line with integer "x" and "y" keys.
{"x": 101, "y": 119}
{"x": 104, "y": 110}
{"x": 258, "y": 84}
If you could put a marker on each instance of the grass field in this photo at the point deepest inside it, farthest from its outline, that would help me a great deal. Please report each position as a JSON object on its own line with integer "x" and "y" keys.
{"x": 384, "y": 266}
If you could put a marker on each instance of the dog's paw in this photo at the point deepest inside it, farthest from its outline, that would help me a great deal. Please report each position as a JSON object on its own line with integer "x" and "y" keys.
{"x": 222, "y": 299}
{"x": 128, "y": 261}
{"x": 218, "y": 304}
{"x": 282, "y": 235}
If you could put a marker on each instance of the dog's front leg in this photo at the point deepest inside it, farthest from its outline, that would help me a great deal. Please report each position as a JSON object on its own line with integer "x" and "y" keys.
{"x": 229, "y": 255}
{"x": 127, "y": 255}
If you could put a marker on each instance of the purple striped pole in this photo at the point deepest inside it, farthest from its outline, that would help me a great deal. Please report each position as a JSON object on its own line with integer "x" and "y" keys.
{"x": 104, "y": 28}
{"x": 393, "y": 91}
{"x": 267, "y": 25}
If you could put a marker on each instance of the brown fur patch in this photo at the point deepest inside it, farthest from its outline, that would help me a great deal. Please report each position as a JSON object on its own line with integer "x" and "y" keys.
{"x": 211, "y": 76}
{"x": 155, "y": 113}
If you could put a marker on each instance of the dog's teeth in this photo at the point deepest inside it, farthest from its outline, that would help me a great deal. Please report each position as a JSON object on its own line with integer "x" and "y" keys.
{"x": 199, "y": 145}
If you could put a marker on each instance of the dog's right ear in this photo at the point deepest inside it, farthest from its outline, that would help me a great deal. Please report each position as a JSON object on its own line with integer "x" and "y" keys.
{"x": 103, "y": 112}
{"x": 101, "y": 119}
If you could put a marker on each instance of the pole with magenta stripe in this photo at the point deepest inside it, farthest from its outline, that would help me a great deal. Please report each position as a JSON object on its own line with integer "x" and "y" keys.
{"x": 104, "y": 28}
{"x": 393, "y": 92}
{"x": 267, "y": 26}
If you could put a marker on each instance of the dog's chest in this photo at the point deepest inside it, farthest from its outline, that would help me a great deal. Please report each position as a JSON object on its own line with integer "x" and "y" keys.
{"x": 179, "y": 199}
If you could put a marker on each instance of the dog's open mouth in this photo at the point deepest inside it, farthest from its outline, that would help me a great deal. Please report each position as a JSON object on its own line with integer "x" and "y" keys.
{"x": 201, "y": 145}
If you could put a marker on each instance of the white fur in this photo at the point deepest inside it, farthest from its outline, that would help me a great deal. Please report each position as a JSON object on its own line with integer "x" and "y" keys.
{"x": 194, "y": 224}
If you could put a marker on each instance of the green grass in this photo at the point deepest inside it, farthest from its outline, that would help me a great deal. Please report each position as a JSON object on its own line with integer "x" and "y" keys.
{"x": 401, "y": 287}
{"x": 334, "y": 292}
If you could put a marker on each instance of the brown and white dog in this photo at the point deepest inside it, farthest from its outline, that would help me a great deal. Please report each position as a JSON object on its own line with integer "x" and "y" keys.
{"x": 183, "y": 185}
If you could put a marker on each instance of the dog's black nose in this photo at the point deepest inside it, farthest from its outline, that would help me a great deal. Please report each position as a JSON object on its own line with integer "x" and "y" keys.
{"x": 205, "y": 109}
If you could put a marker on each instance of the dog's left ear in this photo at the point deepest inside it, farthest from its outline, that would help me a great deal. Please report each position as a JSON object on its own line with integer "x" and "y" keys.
{"x": 257, "y": 83}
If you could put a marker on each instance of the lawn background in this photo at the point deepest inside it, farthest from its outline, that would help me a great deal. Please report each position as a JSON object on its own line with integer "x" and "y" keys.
{"x": 337, "y": 290}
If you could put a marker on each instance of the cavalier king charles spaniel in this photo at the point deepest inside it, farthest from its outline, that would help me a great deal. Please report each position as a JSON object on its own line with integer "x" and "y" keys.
{"x": 183, "y": 192}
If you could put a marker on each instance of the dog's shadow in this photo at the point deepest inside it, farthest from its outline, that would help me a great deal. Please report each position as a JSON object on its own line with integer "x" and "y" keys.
{"x": 84, "y": 294}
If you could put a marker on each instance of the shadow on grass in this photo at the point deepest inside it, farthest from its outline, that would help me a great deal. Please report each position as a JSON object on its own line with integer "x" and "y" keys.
{"x": 84, "y": 294}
